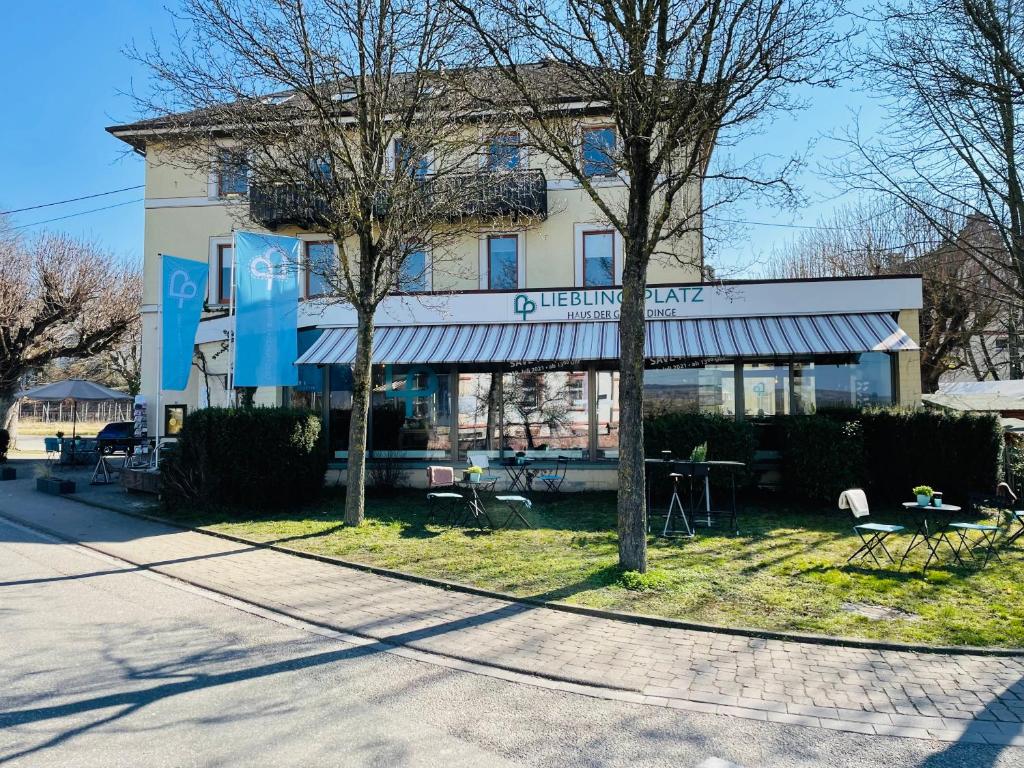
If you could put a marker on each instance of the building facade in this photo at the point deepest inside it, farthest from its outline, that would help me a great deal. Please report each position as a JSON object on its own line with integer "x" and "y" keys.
{"x": 508, "y": 343}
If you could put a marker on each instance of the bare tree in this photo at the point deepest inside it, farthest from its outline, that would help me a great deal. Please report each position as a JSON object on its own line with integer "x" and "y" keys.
{"x": 60, "y": 298}
{"x": 879, "y": 236}
{"x": 341, "y": 113}
{"x": 120, "y": 365}
{"x": 951, "y": 73}
{"x": 678, "y": 79}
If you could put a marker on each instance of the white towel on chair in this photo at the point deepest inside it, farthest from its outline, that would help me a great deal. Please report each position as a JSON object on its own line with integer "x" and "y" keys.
{"x": 854, "y": 500}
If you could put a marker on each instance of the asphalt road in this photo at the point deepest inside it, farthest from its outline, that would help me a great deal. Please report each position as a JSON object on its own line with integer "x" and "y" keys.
{"x": 104, "y": 666}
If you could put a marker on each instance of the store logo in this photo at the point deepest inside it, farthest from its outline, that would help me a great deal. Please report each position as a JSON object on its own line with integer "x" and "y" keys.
{"x": 524, "y": 305}
{"x": 181, "y": 287}
{"x": 266, "y": 268}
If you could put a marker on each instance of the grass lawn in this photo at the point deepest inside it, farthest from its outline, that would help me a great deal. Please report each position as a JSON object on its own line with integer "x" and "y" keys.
{"x": 786, "y": 571}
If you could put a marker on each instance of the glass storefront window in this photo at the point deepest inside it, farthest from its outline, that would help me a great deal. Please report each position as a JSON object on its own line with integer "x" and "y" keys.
{"x": 607, "y": 414}
{"x": 858, "y": 384}
{"x": 339, "y": 382}
{"x": 479, "y": 413}
{"x": 711, "y": 389}
{"x": 766, "y": 389}
{"x": 411, "y": 412}
{"x": 546, "y": 413}
{"x": 308, "y": 393}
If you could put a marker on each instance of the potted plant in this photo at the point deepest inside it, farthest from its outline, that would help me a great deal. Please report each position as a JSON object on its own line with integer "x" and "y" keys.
{"x": 924, "y": 495}
{"x": 46, "y": 482}
{"x": 699, "y": 453}
{"x": 473, "y": 474}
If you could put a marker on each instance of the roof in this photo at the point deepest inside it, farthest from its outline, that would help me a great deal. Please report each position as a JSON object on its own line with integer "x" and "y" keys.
{"x": 553, "y": 81}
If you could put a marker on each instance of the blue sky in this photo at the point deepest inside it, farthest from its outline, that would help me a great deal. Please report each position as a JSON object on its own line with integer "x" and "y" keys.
{"x": 64, "y": 74}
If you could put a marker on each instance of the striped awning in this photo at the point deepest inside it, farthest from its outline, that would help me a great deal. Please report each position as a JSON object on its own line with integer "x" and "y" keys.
{"x": 698, "y": 338}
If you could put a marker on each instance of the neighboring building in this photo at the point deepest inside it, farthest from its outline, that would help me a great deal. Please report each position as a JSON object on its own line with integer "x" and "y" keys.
{"x": 1005, "y": 398}
{"x": 513, "y": 345}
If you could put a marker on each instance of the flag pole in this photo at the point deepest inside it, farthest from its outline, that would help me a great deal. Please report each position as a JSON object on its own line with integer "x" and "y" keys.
{"x": 160, "y": 354}
{"x": 232, "y": 321}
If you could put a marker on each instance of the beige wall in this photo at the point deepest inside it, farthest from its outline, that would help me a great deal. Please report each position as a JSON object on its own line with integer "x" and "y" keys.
{"x": 908, "y": 364}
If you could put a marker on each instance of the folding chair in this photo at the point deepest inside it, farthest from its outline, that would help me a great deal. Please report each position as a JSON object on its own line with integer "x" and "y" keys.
{"x": 482, "y": 460}
{"x": 872, "y": 535}
{"x": 554, "y": 479}
{"x": 989, "y": 535}
{"x": 442, "y": 477}
{"x": 516, "y": 505}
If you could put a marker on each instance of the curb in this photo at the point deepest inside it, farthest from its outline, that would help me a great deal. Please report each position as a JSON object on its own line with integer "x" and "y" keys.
{"x": 622, "y": 616}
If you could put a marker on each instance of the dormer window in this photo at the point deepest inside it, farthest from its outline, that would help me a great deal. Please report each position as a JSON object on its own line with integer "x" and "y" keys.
{"x": 344, "y": 96}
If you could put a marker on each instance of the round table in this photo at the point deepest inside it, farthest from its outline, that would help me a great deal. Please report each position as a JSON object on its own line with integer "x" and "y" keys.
{"x": 930, "y": 528}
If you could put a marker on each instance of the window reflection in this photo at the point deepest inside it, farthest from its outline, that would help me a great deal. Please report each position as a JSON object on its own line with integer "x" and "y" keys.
{"x": 710, "y": 389}
{"x": 411, "y": 412}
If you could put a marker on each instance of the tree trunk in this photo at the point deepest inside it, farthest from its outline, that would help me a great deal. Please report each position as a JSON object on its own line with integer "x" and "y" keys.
{"x": 9, "y": 412}
{"x": 355, "y": 493}
{"x": 632, "y": 506}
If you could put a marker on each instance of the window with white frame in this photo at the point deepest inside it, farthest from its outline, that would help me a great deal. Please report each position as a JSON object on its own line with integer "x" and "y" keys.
{"x": 598, "y": 151}
{"x": 232, "y": 173}
{"x": 502, "y": 262}
{"x": 414, "y": 274}
{"x": 320, "y": 265}
{"x": 598, "y": 258}
{"x": 408, "y": 158}
{"x": 504, "y": 152}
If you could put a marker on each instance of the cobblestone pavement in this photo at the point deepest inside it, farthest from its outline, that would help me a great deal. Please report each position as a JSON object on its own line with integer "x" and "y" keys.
{"x": 969, "y": 698}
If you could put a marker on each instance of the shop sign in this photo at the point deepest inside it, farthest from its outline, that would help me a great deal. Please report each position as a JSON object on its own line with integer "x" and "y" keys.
{"x": 602, "y": 304}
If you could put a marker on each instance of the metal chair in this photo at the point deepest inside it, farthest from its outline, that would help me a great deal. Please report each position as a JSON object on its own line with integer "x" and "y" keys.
{"x": 554, "y": 479}
{"x": 989, "y": 536}
{"x": 52, "y": 447}
{"x": 482, "y": 460}
{"x": 872, "y": 535}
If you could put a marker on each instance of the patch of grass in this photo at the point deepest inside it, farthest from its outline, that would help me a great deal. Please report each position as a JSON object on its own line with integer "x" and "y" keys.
{"x": 785, "y": 571}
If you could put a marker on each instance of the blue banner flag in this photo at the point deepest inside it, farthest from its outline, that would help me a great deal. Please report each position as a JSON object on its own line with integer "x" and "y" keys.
{"x": 266, "y": 310}
{"x": 184, "y": 288}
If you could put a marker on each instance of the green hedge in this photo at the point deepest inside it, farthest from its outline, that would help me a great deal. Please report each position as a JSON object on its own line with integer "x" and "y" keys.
{"x": 257, "y": 458}
{"x": 885, "y": 451}
{"x": 679, "y": 432}
{"x": 953, "y": 453}
{"x": 821, "y": 457}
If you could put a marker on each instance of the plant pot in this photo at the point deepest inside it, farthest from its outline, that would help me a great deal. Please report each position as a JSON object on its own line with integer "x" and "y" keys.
{"x": 55, "y": 486}
{"x": 8, "y": 473}
{"x": 474, "y": 477}
{"x": 923, "y": 501}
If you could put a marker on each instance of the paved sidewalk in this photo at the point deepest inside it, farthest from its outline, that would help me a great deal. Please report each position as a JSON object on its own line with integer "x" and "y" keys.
{"x": 948, "y": 697}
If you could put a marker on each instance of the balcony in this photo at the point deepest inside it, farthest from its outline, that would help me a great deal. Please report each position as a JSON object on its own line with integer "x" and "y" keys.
{"x": 485, "y": 195}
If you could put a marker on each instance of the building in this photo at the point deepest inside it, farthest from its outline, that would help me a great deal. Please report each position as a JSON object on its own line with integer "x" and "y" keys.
{"x": 513, "y": 345}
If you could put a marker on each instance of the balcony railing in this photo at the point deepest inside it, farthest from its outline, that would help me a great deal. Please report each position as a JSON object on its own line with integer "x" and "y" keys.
{"x": 512, "y": 194}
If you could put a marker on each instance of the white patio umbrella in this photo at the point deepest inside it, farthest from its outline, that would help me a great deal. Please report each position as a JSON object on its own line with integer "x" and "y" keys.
{"x": 74, "y": 390}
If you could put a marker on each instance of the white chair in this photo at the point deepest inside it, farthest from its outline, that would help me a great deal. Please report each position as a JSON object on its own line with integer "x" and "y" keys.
{"x": 480, "y": 459}
{"x": 872, "y": 535}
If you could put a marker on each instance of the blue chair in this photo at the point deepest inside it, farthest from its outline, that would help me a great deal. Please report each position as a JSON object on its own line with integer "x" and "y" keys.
{"x": 52, "y": 446}
{"x": 872, "y": 535}
{"x": 554, "y": 479}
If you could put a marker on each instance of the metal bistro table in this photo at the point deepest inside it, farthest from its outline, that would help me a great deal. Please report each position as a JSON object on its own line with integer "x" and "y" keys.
{"x": 699, "y": 470}
{"x": 475, "y": 510}
{"x": 520, "y": 478}
{"x": 929, "y": 528}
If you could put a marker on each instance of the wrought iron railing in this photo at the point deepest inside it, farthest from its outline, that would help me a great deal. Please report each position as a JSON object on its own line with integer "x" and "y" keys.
{"x": 512, "y": 194}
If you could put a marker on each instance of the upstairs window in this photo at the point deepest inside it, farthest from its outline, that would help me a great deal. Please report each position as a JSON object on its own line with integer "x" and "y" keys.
{"x": 224, "y": 255}
{"x": 502, "y": 262}
{"x": 319, "y": 266}
{"x": 232, "y": 173}
{"x": 413, "y": 277}
{"x": 598, "y": 151}
{"x": 503, "y": 152}
{"x": 408, "y": 159}
{"x": 598, "y": 258}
